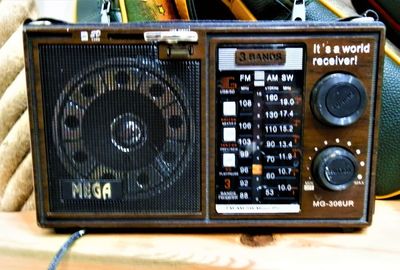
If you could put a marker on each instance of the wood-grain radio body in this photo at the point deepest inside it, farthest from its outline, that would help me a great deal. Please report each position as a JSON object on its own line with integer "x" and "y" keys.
{"x": 99, "y": 166}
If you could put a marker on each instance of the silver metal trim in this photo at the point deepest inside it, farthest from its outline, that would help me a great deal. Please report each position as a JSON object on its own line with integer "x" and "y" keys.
{"x": 171, "y": 36}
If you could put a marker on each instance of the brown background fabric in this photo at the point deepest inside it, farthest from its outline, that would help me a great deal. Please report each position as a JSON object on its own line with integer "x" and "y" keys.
{"x": 16, "y": 181}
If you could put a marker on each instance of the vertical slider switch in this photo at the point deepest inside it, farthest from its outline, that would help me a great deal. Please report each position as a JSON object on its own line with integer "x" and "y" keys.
{"x": 229, "y": 134}
{"x": 229, "y": 160}
{"x": 229, "y": 108}
{"x": 259, "y": 78}
{"x": 257, "y": 169}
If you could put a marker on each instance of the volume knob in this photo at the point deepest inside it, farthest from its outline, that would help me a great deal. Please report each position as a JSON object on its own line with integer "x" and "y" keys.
{"x": 335, "y": 168}
{"x": 338, "y": 99}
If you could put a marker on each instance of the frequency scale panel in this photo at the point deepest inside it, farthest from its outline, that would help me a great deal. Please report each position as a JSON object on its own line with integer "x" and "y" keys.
{"x": 259, "y": 114}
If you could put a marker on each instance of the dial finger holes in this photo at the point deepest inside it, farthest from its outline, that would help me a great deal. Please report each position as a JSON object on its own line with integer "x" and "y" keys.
{"x": 108, "y": 176}
{"x": 71, "y": 122}
{"x": 142, "y": 180}
{"x": 121, "y": 78}
{"x": 88, "y": 90}
{"x": 175, "y": 121}
{"x": 169, "y": 157}
{"x": 80, "y": 157}
{"x": 157, "y": 90}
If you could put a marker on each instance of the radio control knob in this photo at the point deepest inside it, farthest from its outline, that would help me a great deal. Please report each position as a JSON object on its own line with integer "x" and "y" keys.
{"x": 338, "y": 99}
{"x": 335, "y": 168}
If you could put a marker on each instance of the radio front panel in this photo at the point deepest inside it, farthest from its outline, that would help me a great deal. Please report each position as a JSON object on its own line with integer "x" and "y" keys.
{"x": 204, "y": 124}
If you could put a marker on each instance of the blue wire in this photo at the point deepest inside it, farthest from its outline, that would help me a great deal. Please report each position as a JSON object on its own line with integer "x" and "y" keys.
{"x": 64, "y": 248}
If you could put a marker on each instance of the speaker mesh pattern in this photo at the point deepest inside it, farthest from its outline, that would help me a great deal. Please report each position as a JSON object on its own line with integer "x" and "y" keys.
{"x": 122, "y": 129}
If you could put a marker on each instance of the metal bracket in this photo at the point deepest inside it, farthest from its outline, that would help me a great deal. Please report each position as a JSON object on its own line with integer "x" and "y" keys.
{"x": 105, "y": 11}
{"x": 171, "y": 36}
{"x": 299, "y": 11}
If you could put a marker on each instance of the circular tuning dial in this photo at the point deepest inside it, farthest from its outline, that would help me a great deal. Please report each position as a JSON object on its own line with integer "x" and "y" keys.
{"x": 338, "y": 99}
{"x": 335, "y": 168}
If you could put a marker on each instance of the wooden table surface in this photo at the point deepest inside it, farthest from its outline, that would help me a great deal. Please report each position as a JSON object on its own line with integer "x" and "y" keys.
{"x": 25, "y": 246}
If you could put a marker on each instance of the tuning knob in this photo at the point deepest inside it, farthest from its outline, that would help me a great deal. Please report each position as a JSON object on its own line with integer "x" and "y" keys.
{"x": 338, "y": 99}
{"x": 335, "y": 168}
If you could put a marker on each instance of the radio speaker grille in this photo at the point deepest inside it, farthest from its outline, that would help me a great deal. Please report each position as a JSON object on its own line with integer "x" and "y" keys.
{"x": 122, "y": 129}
